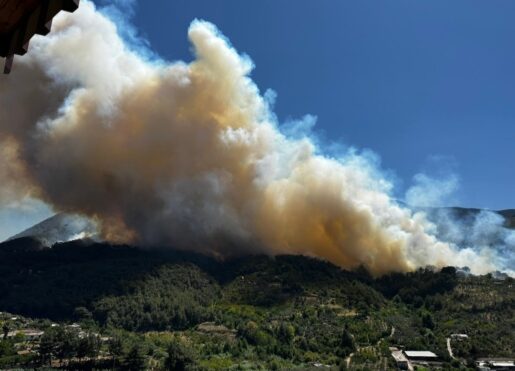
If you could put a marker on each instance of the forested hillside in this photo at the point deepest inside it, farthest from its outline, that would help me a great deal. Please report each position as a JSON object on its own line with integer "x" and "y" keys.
{"x": 285, "y": 312}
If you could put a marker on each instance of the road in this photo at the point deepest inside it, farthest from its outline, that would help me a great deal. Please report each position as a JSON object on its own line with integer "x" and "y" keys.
{"x": 392, "y": 333}
{"x": 449, "y": 349}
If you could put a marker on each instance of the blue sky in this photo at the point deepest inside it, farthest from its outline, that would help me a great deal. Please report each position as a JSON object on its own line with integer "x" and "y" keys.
{"x": 414, "y": 81}
{"x": 411, "y": 80}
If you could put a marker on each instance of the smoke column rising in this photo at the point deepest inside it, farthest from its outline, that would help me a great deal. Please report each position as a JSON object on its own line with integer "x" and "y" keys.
{"x": 190, "y": 156}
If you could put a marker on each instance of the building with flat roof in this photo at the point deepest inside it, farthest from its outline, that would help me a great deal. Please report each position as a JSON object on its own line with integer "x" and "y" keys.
{"x": 422, "y": 358}
{"x": 502, "y": 364}
{"x": 420, "y": 354}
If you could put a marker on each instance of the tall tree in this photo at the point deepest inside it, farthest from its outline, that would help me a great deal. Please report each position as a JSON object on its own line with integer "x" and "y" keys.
{"x": 178, "y": 358}
{"x": 5, "y": 329}
{"x": 135, "y": 359}
{"x": 115, "y": 347}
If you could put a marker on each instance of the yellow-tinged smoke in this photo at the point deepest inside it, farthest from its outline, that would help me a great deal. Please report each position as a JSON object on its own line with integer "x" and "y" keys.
{"x": 189, "y": 156}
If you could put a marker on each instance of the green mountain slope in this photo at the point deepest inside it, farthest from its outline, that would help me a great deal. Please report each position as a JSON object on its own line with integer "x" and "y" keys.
{"x": 285, "y": 312}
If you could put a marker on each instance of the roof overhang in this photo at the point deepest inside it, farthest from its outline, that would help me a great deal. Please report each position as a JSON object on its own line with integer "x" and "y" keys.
{"x": 22, "y": 19}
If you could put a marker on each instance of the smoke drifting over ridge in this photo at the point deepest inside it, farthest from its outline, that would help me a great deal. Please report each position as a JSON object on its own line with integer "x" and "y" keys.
{"x": 190, "y": 156}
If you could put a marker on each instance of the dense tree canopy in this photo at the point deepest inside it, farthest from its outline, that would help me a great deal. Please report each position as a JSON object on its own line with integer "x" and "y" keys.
{"x": 178, "y": 311}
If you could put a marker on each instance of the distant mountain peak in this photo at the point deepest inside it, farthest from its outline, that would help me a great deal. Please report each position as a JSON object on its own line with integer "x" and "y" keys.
{"x": 60, "y": 228}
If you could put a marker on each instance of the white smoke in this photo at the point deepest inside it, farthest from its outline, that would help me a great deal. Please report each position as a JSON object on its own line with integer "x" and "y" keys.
{"x": 430, "y": 192}
{"x": 190, "y": 156}
{"x": 481, "y": 230}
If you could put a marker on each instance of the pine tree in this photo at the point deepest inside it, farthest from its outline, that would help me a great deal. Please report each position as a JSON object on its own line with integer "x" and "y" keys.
{"x": 5, "y": 329}
{"x": 135, "y": 359}
{"x": 177, "y": 358}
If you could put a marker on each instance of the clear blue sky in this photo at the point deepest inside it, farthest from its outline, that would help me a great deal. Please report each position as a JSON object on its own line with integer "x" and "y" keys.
{"x": 407, "y": 79}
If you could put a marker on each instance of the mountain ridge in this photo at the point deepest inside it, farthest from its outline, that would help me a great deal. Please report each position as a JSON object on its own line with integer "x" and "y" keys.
{"x": 60, "y": 227}
{"x": 64, "y": 227}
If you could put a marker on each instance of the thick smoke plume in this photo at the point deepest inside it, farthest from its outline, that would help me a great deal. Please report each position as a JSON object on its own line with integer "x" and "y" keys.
{"x": 190, "y": 156}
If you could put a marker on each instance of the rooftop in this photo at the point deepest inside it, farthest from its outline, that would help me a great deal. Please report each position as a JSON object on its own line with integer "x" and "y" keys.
{"x": 502, "y": 364}
{"x": 420, "y": 354}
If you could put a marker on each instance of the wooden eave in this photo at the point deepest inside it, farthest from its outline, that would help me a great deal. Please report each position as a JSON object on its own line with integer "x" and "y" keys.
{"x": 22, "y": 19}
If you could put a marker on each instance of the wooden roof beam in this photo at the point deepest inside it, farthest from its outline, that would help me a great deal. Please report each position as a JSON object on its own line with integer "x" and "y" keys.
{"x": 35, "y": 21}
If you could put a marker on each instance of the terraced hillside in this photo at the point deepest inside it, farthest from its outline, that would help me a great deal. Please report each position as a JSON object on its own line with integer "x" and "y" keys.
{"x": 256, "y": 312}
